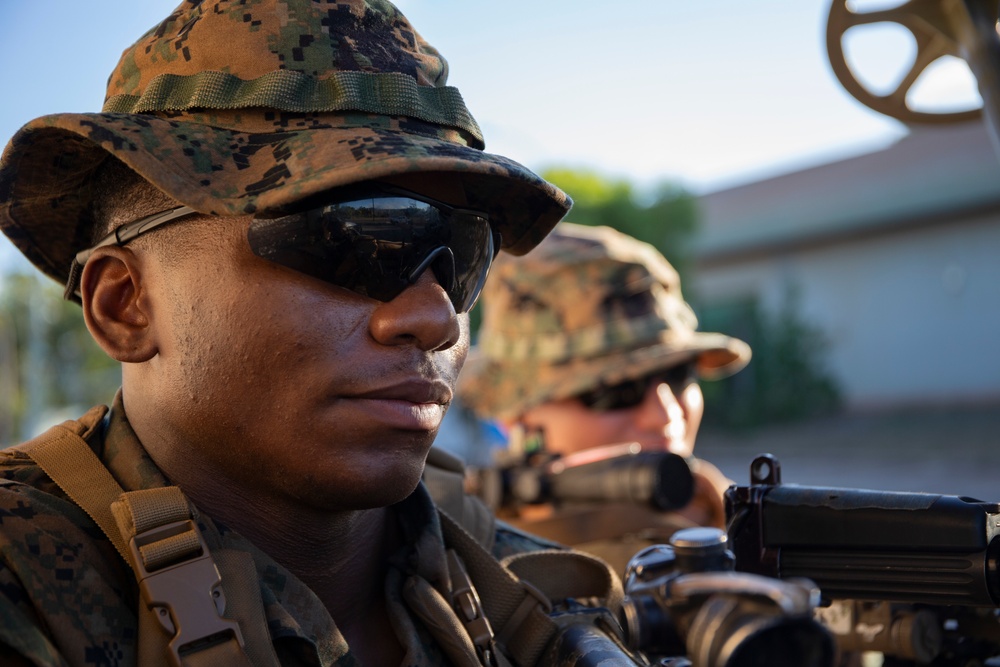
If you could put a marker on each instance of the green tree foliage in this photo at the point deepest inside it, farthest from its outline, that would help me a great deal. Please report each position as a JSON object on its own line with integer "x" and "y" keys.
{"x": 665, "y": 216}
{"x": 785, "y": 381}
{"x": 48, "y": 361}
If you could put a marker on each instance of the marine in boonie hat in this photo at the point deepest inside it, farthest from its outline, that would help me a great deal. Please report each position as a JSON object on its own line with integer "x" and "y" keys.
{"x": 235, "y": 108}
{"x": 589, "y": 306}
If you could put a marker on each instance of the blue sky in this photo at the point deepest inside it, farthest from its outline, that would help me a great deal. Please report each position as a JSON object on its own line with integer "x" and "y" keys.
{"x": 708, "y": 94}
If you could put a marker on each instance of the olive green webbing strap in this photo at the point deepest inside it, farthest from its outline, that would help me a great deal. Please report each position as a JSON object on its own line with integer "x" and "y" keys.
{"x": 441, "y": 620}
{"x": 519, "y": 619}
{"x": 516, "y": 594}
{"x": 561, "y": 574}
{"x": 383, "y": 93}
{"x": 179, "y": 581}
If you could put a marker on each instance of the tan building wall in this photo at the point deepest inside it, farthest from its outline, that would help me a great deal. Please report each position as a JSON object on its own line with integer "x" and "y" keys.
{"x": 895, "y": 256}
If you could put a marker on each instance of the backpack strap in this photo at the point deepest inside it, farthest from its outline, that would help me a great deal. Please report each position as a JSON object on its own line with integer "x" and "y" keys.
{"x": 78, "y": 472}
{"x": 520, "y": 591}
{"x": 181, "y": 620}
{"x": 516, "y": 610}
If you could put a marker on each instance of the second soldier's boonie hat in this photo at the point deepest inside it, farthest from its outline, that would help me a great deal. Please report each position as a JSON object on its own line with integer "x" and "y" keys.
{"x": 588, "y": 307}
{"x": 234, "y": 108}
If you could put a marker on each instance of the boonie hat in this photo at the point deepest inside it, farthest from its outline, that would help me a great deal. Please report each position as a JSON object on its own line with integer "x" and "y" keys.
{"x": 234, "y": 108}
{"x": 588, "y": 307}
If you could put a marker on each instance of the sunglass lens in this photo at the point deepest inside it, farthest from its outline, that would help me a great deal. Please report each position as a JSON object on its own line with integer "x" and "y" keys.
{"x": 473, "y": 247}
{"x": 379, "y": 246}
{"x": 631, "y": 393}
{"x": 616, "y": 397}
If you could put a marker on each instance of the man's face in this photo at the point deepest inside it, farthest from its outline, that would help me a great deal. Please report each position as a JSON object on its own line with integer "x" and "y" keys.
{"x": 284, "y": 385}
{"x": 666, "y": 419}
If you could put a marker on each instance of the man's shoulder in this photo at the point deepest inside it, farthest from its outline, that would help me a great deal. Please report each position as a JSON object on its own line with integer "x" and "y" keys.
{"x": 39, "y": 523}
{"x": 34, "y": 510}
{"x": 31, "y": 502}
{"x": 27, "y": 490}
{"x": 18, "y": 472}
{"x": 57, "y": 569}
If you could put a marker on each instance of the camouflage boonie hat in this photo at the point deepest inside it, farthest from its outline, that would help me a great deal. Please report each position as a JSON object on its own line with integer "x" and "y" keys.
{"x": 589, "y": 306}
{"x": 234, "y": 108}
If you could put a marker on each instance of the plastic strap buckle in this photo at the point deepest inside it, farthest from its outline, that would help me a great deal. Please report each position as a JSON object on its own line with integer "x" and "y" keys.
{"x": 186, "y": 597}
{"x": 469, "y": 608}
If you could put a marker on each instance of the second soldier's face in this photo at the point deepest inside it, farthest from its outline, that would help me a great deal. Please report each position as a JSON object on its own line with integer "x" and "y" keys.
{"x": 663, "y": 421}
{"x": 293, "y": 388}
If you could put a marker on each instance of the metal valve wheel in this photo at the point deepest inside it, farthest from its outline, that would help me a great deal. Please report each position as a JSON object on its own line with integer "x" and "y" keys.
{"x": 939, "y": 27}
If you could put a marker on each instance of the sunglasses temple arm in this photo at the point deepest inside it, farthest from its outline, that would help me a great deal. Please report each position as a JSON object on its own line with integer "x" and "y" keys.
{"x": 429, "y": 260}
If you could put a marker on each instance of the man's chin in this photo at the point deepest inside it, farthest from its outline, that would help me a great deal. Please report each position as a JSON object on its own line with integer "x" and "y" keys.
{"x": 387, "y": 495}
{"x": 388, "y": 486}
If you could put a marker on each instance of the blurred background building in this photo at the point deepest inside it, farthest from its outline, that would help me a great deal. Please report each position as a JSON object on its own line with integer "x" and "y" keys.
{"x": 892, "y": 261}
{"x": 893, "y": 255}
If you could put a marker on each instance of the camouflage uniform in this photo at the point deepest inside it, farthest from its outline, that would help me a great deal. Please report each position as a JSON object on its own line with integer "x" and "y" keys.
{"x": 233, "y": 109}
{"x": 68, "y": 598}
{"x": 590, "y": 307}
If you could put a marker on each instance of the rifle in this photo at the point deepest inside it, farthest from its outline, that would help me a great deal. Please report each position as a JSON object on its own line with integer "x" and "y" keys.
{"x": 617, "y": 473}
{"x": 913, "y": 575}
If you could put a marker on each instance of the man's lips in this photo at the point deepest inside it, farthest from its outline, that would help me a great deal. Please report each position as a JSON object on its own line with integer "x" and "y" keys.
{"x": 411, "y": 390}
{"x": 417, "y": 405}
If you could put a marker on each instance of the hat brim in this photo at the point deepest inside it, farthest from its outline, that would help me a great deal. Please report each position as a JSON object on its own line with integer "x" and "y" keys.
{"x": 45, "y": 199}
{"x": 505, "y": 390}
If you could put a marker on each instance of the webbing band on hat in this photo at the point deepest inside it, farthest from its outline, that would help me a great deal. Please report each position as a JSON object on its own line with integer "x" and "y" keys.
{"x": 383, "y": 93}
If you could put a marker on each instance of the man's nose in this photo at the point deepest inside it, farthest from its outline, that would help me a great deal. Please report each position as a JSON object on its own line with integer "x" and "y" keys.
{"x": 422, "y": 315}
{"x": 660, "y": 407}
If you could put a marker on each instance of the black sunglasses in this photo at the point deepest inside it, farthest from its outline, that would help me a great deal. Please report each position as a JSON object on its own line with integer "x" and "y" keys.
{"x": 631, "y": 393}
{"x": 375, "y": 240}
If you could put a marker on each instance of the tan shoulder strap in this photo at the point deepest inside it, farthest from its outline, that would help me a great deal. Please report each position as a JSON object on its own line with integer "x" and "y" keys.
{"x": 181, "y": 620}
{"x": 78, "y": 472}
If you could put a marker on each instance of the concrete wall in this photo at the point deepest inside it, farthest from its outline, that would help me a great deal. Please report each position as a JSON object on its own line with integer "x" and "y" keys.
{"x": 912, "y": 314}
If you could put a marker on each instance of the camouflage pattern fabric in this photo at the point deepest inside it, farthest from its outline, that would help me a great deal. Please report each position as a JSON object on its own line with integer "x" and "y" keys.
{"x": 236, "y": 107}
{"x": 589, "y": 306}
{"x": 68, "y": 598}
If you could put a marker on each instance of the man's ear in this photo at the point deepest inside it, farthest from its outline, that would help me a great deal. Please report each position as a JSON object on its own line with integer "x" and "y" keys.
{"x": 116, "y": 306}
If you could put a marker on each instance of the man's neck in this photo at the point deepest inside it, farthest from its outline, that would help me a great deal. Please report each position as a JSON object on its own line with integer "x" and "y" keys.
{"x": 319, "y": 547}
{"x": 341, "y": 557}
